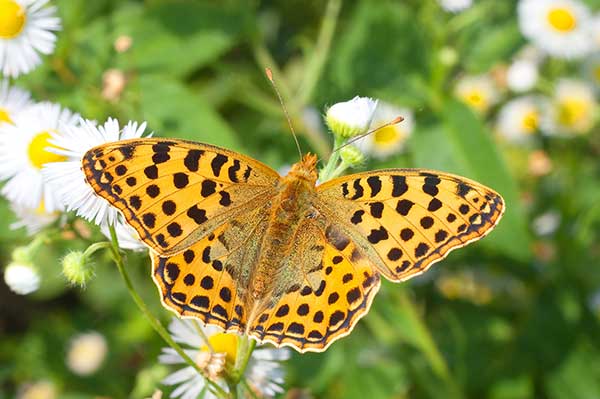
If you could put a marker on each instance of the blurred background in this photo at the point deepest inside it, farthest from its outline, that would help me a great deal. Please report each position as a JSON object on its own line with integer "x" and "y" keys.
{"x": 503, "y": 92}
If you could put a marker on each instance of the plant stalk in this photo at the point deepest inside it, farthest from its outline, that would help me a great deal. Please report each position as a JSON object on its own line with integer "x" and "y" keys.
{"x": 154, "y": 322}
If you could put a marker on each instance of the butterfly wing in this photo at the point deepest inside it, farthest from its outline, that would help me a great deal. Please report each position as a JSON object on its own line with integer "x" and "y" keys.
{"x": 207, "y": 280}
{"x": 329, "y": 288}
{"x": 405, "y": 220}
{"x": 175, "y": 192}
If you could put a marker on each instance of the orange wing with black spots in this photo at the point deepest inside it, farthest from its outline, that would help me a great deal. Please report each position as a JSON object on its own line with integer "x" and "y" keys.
{"x": 174, "y": 192}
{"x": 333, "y": 287}
{"x": 235, "y": 245}
{"x": 405, "y": 220}
{"x": 208, "y": 280}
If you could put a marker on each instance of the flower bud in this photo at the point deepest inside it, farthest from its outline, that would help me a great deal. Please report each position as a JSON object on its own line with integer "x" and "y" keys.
{"x": 21, "y": 278}
{"x": 351, "y": 118}
{"x": 77, "y": 268}
{"x": 352, "y": 156}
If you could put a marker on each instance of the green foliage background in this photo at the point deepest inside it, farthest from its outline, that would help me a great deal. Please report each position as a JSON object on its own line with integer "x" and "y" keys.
{"x": 195, "y": 71}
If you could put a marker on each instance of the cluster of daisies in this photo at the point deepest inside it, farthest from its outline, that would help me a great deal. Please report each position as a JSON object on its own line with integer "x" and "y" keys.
{"x": 41, "y": 149}
{"x": 524, "y": 104}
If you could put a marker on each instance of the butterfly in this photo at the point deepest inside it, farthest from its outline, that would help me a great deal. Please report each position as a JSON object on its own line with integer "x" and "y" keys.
{"x": 282, "y": 259}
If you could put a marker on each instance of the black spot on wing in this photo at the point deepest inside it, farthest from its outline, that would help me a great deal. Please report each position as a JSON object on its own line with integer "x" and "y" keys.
{"x": 374, "y": 183}
{"x": 217, "y": 163}
{"x": 463, "y": 189}
{"x": 232, "y": 171}
{"x": 191, "y": 160}
{"x": 358, "y": 189}
{"x": 399, "y": 186}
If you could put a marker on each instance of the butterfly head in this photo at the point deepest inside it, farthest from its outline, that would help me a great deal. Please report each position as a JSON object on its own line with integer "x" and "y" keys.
{"x": 306, "y": 169}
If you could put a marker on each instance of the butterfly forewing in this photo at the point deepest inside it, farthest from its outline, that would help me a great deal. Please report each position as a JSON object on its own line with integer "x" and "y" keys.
{"x": 406, "y": 220}
{"x": 174, "y": 192}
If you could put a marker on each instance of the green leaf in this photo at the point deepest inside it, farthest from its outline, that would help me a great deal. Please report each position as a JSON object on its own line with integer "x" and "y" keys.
{"x": 465, "y": 139}
{"x": 493, "y": 47}
{"x": 173, "y": 110}
{"x": 578, "y": 376}
{"x": 178, "y": 37}
{"x": 380, "y": 47}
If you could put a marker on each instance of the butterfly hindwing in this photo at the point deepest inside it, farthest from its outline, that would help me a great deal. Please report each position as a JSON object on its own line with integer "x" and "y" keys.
{"x": 173, "y": 192}
{"x": 207, "y": 280}
{"x": 405, "y": 219}
{"x": 331, "y": 293}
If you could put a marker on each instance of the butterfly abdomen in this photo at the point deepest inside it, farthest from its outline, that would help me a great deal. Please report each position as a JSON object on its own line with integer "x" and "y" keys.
{"x": 287, "y": 213}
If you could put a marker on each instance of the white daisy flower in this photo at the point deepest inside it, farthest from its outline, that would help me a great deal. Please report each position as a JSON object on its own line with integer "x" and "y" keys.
{"x": 522, "y": 75}
{"x": 519, "y": 119}
{"x": 37, "y": 390}
{"x": 86, "y": 353}
{"x": 455, "y": 5}
{"x": 572, "y": 110}
{"x": 26, "y": 29}
{"x": 351, "y": 118}
{"x": 478, "y": 92}
{"x": 127, "y": 236}
{"x": 12, "y": 100}
{"x": 391, "y": 139}
{"x": 22, "y": 278}
{"x": 264, "y": 373}
{"x": 66, "y": 177}
{"x": 25, "y": 148}
{"x": 33, "y": 220}
{"x": 559, "y": 27}
{"x": 591, "y": 70}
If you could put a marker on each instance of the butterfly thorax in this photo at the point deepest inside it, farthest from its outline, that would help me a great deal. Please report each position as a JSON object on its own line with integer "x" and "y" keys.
{"x": 289, "y": 209}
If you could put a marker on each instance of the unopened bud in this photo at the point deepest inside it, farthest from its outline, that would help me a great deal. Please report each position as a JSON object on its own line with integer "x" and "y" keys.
{"x": 22, "y": 279}
{"x": 77, "y": 268}
{"x": 352, "y": 156}
{"x": 351, "y": 118}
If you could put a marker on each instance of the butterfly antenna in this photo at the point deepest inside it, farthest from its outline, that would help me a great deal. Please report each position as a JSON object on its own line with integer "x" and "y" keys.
{"x": 269, "y": 74}
{"x": 395, "y": 121}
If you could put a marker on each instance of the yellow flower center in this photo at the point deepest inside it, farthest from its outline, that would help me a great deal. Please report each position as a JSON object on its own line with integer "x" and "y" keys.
{"x": 562, "y": 19}
{"x": 4, "y": 117}
{"x": 387, "y": 135}
{"x": 476, "y": 99}
{"x": 223, "y": 343}
{"x": 530, "y": 121}
{"x": 12, "y": 19}
{"x": 38, "y": 153}
{"x": 572, "y": 111}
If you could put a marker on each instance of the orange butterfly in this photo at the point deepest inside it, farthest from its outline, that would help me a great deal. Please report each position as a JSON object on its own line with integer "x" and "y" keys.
{"x": 279, "y": 258}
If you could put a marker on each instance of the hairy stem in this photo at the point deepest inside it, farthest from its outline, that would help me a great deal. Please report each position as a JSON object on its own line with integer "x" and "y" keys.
{"x": 154, "y": 322}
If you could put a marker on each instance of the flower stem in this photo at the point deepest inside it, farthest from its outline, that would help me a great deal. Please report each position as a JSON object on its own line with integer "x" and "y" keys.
{"x": 203, "y": 335}
{"x": 245, "y": 348}
{"x": 95, "y": 247}
{"x": 249, "y": 389}
{"x": 154, "y": 322}
{"x": 341, "y": 168}
{"x": 329, "y": 170}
